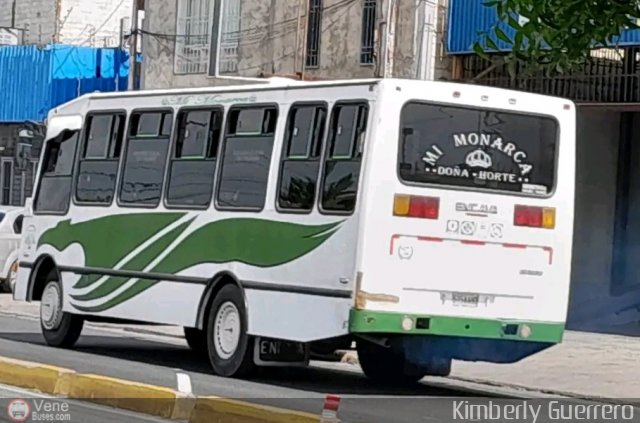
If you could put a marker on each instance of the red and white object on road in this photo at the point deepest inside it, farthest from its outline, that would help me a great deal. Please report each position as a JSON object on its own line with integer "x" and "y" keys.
{"x": 330, "y": 409}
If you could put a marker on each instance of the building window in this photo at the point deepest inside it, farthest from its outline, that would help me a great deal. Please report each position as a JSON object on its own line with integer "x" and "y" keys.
{"x": 100, "y": 157}
{"x": 7, "y": 181}
{"x": 229, "y": 36}
{"x": 146, "y": 157}
{"x": 193, "y": 36}
{"x": 343, "y": 157}
{"x": 314, "y": 31}
{"x": 193, "y": 164}
{"x": 300, "y": 164}
{"x": 246, "y": 157}
{"x": 368, "y": 32}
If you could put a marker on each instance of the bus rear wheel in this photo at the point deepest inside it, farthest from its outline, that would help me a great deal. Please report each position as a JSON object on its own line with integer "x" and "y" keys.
{"x": 59, "y": 328}
{"x": 230, "y": 348}
{"x": 382, "y": 364}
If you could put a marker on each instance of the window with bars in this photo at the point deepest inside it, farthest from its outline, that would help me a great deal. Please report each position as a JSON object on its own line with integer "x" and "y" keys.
{"x": 314, "y": 31}
{"x": 368, "y": 32}
{"x": 229, "y": 36}
{"x": 193, "y": 36}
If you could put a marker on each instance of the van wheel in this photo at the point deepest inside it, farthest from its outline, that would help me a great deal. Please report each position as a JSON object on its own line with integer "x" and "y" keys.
{"x": 384, "y": 365}
{"x": 197, "y": 340}
{"x": 59, "y": 328}
{"x": 230, "y": 348}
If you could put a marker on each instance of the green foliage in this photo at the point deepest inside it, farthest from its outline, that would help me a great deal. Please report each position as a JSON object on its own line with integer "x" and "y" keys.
{"x": 556, "y": 35}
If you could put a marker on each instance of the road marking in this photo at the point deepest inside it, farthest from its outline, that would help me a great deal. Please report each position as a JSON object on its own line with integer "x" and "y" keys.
{"x": 184, "y": 383}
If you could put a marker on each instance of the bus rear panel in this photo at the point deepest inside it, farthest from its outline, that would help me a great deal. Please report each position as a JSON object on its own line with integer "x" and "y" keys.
{"x": 467, "y": 222}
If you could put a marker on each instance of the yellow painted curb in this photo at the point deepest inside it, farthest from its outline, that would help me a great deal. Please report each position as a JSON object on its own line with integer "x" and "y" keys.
{"x": 142, "y": 398}
{"x": 40, "y": 377}
{"x": 219, "y": 410}
{"x": 132, "y": 396}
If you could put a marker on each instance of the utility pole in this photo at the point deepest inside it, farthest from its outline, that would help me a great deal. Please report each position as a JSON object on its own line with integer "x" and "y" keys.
{"x": 13, "y": 14}
{"x": 133, "y": 48}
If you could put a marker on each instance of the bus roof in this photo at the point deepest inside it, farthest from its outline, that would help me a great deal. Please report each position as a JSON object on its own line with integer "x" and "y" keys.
{"x": 276, "y": 83}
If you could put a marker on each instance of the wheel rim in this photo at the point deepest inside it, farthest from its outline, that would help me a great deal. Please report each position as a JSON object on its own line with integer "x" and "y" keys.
{"x": 227, "y": 330}
{"x": 51, "y": 307}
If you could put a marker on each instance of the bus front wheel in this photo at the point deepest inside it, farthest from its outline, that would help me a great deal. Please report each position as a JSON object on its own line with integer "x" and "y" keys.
{"x": 59, "y": 328}
{"x": 385, "y": 365}
{"x": 230, "y": 348}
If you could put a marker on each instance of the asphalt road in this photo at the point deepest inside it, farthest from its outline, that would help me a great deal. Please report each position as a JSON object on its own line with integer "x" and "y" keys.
{"x": 66, "y": 410}
{"x": 157, "y": 362}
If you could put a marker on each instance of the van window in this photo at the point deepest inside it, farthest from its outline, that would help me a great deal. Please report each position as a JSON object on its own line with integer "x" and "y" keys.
{"x": 300, "y": 166}
{"x": 98, "y": 167}
{"x": 193, "y": 164}
{"x": 146, "y": 157}
{"x": 54, "y": 188}
{"x": 344, "y": 157}
{"x": 246, "y": 157}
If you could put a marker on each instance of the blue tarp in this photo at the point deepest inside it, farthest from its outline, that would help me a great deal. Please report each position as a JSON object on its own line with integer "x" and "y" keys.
{"x": 34, "y": 80}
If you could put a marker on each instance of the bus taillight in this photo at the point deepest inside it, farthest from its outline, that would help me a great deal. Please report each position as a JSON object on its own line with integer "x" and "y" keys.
{"x": 535, "y": 217}
{"x": 416, "y": 206}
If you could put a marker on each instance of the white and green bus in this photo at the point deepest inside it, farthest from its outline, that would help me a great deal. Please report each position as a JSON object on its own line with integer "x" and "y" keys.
{"x": 426, "y": 221}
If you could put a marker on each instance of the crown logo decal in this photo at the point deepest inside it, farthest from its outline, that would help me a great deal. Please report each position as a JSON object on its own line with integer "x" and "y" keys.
{"x": 479, "y": 158}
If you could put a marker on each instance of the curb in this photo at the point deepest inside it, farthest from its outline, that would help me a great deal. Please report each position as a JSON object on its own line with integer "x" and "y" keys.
{"x": 138, "y": 397}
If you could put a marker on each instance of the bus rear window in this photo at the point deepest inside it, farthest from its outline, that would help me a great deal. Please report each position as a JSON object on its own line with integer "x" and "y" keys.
{"x": 477, "y": 148}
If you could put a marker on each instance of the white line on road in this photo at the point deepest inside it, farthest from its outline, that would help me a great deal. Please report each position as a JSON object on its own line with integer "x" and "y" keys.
{"x": 184, "y": 383}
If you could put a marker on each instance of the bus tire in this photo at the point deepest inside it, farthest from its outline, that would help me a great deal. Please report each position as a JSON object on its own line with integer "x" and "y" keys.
{"x": 230, "y": 348}
{"x": 197, "y": 340}
{"x": 59, "y": 328}
{"x": 385, "y": 365}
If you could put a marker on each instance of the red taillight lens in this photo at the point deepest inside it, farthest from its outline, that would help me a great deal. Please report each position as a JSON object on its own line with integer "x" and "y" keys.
{"x": 534, "y": 217}
{"x": 416, "y": 206}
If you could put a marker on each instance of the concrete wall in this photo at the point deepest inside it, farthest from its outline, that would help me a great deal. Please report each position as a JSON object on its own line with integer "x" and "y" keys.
{"x": 36, "y": 17}
{"x": 90, "y": 23}
{"x": 95, "y": 23}
{"x": 268, "y": 36}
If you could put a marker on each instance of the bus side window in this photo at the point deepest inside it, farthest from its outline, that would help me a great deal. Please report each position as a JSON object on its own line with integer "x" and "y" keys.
{"x": 300, "y": 164}
{"x": 193, "y": 162}
{"x": 54, "y": 189}
{"x": 246, "y": 157}
{"x": 343, "y": 158}
{"x": 145, "y": 158}
{"x": 98, "y": 167}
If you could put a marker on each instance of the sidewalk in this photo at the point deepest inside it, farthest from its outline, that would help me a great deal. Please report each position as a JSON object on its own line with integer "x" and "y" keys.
{"x": 584, "y": 365}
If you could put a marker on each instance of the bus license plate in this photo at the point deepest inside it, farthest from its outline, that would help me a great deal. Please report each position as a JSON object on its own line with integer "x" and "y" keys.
{"x": 466, "y": 300}
{"x": 281, "y": 351}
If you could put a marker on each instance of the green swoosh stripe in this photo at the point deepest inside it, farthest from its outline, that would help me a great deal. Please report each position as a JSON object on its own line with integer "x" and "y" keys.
{"x": 256, "y": 242}
{"x": 137, "y": 263}
{"x": 106, "y": 240}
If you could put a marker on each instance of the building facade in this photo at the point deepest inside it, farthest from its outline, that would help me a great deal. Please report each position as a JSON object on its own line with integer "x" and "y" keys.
{"x": 94, "y": 23}
{"x": 605, "y": 290}
{"x": 195, "y": 43}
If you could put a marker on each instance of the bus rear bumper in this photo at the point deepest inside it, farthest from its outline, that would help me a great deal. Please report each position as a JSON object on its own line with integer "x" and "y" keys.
{"x": 445, "y": 337}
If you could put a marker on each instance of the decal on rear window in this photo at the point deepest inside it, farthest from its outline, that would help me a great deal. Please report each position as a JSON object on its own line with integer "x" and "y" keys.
{"x": 478, "y": 148}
